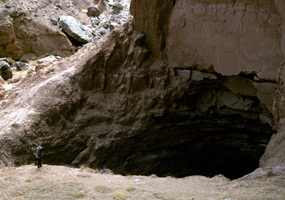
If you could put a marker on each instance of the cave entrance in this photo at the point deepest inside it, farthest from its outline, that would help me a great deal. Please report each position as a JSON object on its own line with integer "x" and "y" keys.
{"x": 209, "y": 146}
{"x": 208, "y": 130}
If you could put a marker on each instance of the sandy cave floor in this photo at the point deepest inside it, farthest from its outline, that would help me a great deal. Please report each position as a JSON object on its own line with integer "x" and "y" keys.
{"x": 62, "y": 182}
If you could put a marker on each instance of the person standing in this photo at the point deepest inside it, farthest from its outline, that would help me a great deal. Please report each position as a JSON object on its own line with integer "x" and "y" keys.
{"x": 39, "y": 156}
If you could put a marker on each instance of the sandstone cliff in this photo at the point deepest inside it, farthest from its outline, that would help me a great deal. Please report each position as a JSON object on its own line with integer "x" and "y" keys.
{"x": 185, "y": 88}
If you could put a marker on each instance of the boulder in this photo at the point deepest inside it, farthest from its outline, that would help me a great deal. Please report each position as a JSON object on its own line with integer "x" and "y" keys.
{"x": 20, "y": 66}
{"x": 233, "y": 101}
{"x": 240, "y": 85}
{"x": 31, "y": 35}
{"x": 93, "y": 12}
{"x": 5, "y": 70}
{"x": 75, "y": 29}
{"x": 117, "y": 7}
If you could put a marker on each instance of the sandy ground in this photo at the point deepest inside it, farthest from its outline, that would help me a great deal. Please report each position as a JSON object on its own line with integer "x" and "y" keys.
{"x": 66, "y": 183}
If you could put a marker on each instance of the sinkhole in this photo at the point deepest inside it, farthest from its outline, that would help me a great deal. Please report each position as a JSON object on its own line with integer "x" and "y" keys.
{"x": 208, "y": 130}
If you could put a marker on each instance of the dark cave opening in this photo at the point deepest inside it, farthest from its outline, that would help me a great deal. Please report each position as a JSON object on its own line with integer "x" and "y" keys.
{"x": 184, "y": 141}
{"x": 191, "y": 149}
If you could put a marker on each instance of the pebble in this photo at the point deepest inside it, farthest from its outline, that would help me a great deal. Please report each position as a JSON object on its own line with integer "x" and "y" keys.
{"x": 47, "y": 59}
{"x": 95, "y": 21}
{"x": 102, "y": 31}
{"x": 53, "y": 20}
{"x": 119, "y": 14}
{"x": 8, "y": 5}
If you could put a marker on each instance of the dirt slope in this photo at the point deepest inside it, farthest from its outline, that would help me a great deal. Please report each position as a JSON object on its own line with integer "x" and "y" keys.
{"x": 61, "y": 182}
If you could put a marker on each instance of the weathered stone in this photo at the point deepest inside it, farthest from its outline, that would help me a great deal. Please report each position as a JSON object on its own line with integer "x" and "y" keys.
{"x": 240, "y": 85}
{"x": 266, "y": 120}
{"x": 75, "y": 29}
{"x": 156, "y": 27}
{"x": 11, "y": 48}
{"x": 8, "y": 5}
{"x": 27, "y": 57}
{"x": 140, "y": 55}
{"x": 117, "y": 7}
{"x": 235, "y": 47}
{"x": 5, "y": 70}
{"x": 53, "y": 20}
{"x": 47, "y": 59}
{"x": 16, "y": 11}
{"x": 233, "y": 101}
{"x": 93, "y": 12}
{"x": 197, "y": 76}
{"x": 183, "y": 73}
{"x": 95, "y": 21}
{"x": 20, "y": 66}
{"x": 31, "y": 35}
{"x": 6, "y": 32}
{"x": 102, "y": 31}
{"x": 265, "y": 92}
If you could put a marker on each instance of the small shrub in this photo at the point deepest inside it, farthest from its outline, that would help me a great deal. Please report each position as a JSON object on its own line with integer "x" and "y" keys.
{"x": 118, "y": 195}
{"x": 161, "y": 196}
{"x": 130, "y": 189}
{"x": 102, "y": 189}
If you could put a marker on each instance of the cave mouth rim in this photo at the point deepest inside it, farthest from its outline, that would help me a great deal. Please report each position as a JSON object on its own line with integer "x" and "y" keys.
{"x": 155, "y": 154}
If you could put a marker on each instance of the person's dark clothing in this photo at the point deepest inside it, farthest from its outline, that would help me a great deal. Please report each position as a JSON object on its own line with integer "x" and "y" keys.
{"x": 39, "y": 157}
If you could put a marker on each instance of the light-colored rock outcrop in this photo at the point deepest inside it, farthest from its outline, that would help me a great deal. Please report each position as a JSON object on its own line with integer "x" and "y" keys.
{"x": 29, "y": 34}
{"x": 234, "y": 36}
{"x": 75, "y": 29}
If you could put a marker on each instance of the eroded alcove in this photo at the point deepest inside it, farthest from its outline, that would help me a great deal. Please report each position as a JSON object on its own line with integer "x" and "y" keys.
{"x": 207, "y": 129}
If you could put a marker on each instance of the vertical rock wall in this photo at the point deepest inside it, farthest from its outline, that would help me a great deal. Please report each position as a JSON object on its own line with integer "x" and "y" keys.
{"x": 229, "y": 37}
{"x": 233, "y": 37}
{"x": 275, "y": 152}
{"x": 152, "y": 18}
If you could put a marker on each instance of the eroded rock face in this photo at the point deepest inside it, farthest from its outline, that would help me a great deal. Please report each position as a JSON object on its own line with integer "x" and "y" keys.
{"x": 234, "y": 37}
{"x": 118, "y": 102}
{"x": 274, "y": 156}
{"x": 30, "y": 34}
{"x": 156, "y": 25}
{"x": 132, "y": 104}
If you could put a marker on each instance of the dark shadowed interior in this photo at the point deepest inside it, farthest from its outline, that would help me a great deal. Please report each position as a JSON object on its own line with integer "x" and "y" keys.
{"x": 184, "y": 141}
